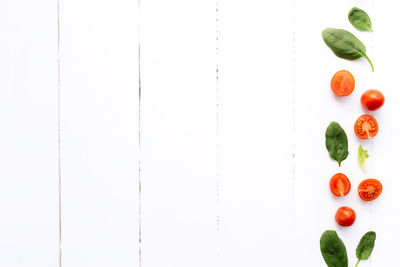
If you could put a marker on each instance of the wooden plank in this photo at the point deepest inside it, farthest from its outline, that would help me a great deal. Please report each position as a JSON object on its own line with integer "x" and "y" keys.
{"x": 316, "y": 106}
{"x": 256, "y": 133}
{"x": 384, "y": 212}
{"x": 178, "y": 133}
{"x": 99, "y": 133}
{"x": 28, "y": 115}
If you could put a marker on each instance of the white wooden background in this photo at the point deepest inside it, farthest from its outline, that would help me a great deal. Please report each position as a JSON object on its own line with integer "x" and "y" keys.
{"x": 205, "y": 150}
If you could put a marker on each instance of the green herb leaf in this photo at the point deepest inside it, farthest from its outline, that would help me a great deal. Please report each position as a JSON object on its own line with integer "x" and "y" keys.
{"x": 366, "y": 245}
{"x": 344, "y": 44}
{"x": 333, "y": 250}
{"x": 360, "y": 19}
{"x": 362, "y": 156}
{"x": 336, "y": 142}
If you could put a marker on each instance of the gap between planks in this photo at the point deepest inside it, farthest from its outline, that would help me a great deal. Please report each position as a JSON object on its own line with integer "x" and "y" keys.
{"x": 59, "y": 135}
{"x": 140, "y": 139}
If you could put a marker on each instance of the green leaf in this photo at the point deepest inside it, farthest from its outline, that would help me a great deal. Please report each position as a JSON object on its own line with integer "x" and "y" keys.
{"x": 336, "y": 142}
{"x": 360, "y": 19}
{"x": 362, "y": 156}
{"x": 333, "y": 250}
{"x": 366, "y": 245}
{"x": 345, "y": 45}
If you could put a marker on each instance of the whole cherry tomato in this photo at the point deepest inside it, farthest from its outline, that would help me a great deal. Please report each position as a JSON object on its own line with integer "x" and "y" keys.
{"x": 345, "y": 216}
{"x": 372, "y": 99}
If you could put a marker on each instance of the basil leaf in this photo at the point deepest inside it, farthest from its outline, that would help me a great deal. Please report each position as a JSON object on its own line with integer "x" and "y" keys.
{"x": 360, "y": 19}
{"x": 333, "y": 250}
{"x": 366, "y": 245}
{"x": 344, "y": 44}
{"x": 336, "y": 142}
{"x": 362, "y": 156}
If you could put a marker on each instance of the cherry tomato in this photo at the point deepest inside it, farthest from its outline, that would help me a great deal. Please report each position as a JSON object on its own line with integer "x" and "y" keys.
{"x": 340, "y": 185}
{"x": 366, "y": 126}
{"x": 342, "y": 83}
{"x": 369, "y": 189}
{"x": 372, "y": 99}
{"x": 345, "y": 216}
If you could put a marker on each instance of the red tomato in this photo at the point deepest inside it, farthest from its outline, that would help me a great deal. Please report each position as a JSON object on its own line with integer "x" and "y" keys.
{"x": 366, "y": 126}
{"x": 369, "y": 189}
{"x": 345, "y": 216}
{"x": 340, "y": 185}
{"x": 372, "y": 99}
{"x": 342, "y": 83}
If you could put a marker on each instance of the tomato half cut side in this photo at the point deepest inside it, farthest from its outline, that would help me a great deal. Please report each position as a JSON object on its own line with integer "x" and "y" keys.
{"x": 340, "y": 185}
{"x": 370, "y": 189}
{"x": 366, "y": 127}
{"x": 342, "y": 83}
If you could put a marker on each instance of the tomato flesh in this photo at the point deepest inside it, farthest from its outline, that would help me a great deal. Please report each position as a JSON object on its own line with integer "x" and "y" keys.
{"x": 340, "y": 185}
{"x": 372, "y": 99}
{"x": 342, "y": 83}
{"x": 345, "y": 216}
{"x": 366, "y": 127}
{"x": 370, "y": 189}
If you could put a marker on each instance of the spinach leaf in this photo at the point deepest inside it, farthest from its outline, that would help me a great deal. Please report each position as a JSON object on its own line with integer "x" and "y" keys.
{"x": 362, "y": 156}
{"x": 344, "y": 44}
{"x": 360, "y": 19}
{"x": 365, "y": 247}
{"x": 333, "y": 250}
{"x": 336, "y": 142}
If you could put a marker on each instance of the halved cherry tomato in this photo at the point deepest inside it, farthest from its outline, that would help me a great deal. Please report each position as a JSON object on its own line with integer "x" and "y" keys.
{"x": 340, "y": 185}
{"x": 372, "y": 99}
{"x": 369, "y": 189}
{"x": 342, "y": 83}
{"x": 345, "y": 216}
{"x": 366, "y": 126}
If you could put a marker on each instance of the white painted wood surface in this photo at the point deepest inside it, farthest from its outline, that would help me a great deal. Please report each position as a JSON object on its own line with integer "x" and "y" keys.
{"x": 205, "y": 147}
{"x": 99, "y": 133}
{"x": 179, "y": 141}
{"x": 28, "y": 143}
{"x": 256, "y": 133}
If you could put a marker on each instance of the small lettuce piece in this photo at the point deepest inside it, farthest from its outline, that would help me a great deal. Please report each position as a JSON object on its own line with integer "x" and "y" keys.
{"x": 362, "y": 156}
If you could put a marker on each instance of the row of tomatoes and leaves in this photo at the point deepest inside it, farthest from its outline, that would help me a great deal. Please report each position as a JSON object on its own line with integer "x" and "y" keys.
{"x": 365, "y": 127}
{"x": 346, "y": 45}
